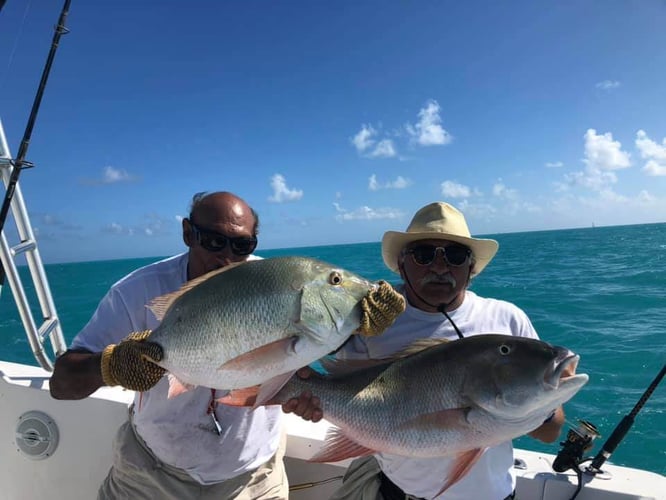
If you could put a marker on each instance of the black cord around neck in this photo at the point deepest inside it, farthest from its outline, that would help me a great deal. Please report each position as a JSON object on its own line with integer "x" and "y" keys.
{"x": 441, "y": 308}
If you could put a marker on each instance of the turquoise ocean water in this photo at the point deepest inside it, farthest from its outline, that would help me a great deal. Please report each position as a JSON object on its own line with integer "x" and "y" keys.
{"x": 599, "y": 291}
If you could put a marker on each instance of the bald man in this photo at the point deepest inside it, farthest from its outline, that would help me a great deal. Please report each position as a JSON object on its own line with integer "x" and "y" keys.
{"x": 188, "y": 446}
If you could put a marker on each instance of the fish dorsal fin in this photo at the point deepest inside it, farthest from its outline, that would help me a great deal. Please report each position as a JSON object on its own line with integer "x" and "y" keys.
{"x": 160, "y": 305}
{"x": 418, "y": 346}
{"x": 335, "y": 368}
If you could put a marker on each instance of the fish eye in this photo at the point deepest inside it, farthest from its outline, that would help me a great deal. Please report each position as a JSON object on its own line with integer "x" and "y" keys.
{"x": 335, "y": 278}
{"x": 504, "y": 349}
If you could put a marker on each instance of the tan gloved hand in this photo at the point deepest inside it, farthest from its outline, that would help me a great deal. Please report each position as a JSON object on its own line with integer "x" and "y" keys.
{"x": 130, "y": 363}
{"x": 380, "y": 309}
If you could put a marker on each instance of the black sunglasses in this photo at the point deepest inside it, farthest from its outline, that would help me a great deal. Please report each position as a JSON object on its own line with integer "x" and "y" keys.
{"x": 216, "y": 242}
{"x": 454, "y": 255}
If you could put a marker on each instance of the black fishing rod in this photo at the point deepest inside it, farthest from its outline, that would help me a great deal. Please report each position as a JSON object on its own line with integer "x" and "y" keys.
{"x": 20, "y": 162}
{"x": 623, "y": 427}
{"x": 580, "y": 440}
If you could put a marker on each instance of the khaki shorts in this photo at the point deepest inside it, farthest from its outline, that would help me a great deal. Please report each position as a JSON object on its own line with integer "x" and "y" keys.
{"x": 137, "y": 474}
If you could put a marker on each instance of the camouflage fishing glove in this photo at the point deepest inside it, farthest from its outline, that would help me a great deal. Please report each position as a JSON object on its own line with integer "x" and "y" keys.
{"x": 130, "y": 363}
{"x": 380, "y": 309}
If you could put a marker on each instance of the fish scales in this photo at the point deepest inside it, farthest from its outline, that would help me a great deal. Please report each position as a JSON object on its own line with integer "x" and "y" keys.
{"x": 455, "y": 397}
{"x": 254, "y": 321}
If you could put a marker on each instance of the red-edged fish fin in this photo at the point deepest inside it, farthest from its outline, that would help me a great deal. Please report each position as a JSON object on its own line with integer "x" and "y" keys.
{"x": 338, "y": 447}
{"x": 264, "y": 355}
{"x": 454, "y": 417}
{"x": 463, "y": 463}
{"x": 240, "y": 397}
{"x": 176, "y": 387}
{"x": 271, "y": 387}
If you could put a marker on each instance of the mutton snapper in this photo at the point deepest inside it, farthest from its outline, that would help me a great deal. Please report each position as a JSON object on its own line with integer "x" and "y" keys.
{"x": 448, "y": 399}
{"x": 259, "y": 321}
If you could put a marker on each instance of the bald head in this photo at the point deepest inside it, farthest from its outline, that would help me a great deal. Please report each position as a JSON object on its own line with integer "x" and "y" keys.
{"x": 220, "y": 226}
{"x": 208, "y": 208}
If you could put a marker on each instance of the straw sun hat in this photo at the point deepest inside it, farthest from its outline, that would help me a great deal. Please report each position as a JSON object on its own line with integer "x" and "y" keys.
{"x": 437, "y": 221}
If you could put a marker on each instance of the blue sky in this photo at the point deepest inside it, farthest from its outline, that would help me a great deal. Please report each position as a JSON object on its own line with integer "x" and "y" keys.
{"x": 335, "y": 120}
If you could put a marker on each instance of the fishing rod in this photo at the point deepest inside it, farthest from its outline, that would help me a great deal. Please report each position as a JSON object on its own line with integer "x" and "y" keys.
{"x": 623, "y": 427}
{"x": 580, "y": 440}
{"x": 20, "y": 162}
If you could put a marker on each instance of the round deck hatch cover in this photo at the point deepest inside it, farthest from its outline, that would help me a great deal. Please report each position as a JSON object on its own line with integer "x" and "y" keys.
{"x": 36, "y": 435}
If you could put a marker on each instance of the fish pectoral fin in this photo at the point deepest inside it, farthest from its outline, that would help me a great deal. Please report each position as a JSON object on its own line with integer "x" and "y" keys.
{"x": 240, "y": 397}
{"x": 338, "y": 447}
{"x": 267, "y": 354}
{"x": 461, "y": 466}
{"x": 257, "y": 395}
{"x": 271, "y": 387}
{"x": 450, "y": 418}
{"x": 176, "y": 387}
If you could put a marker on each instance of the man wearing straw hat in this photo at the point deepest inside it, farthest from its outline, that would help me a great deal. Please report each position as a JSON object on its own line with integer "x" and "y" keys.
{"x": 436, "y": 258}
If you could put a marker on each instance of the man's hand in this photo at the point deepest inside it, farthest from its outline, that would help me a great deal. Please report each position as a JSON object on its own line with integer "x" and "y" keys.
{"x": 306, "y": 405}
{"x": 131, "y": 363}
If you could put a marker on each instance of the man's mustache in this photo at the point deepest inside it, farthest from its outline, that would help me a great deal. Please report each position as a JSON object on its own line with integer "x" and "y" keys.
{"x": 438, "y": 278}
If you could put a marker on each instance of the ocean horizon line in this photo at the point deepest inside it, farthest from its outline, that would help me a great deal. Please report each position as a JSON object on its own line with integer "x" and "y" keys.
{"x": 301, "y": 247}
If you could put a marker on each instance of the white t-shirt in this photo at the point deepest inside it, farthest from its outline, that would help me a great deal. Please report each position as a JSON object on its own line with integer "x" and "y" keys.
{"x": 492, "y": 477}
{"x": 178, "y": 430}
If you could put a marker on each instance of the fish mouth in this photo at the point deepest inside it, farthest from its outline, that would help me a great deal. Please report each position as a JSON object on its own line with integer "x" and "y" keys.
{"x": 553, "y": 376}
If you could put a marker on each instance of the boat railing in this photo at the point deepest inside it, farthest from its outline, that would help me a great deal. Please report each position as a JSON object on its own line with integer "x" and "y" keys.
{"x": 49, "y": 327}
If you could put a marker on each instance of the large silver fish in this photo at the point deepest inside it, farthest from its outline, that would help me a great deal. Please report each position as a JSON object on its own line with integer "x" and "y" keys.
{"x": 449, "y": 399}
{"x": 256, "y": 322}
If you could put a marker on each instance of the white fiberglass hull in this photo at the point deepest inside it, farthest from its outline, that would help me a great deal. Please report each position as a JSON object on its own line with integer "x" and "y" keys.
{"x": 86, "y": 428}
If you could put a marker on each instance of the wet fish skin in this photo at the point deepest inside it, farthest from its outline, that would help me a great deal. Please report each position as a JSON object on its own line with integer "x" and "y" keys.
{"x": 245, "y": 324}
{"x": 446, "y": 400}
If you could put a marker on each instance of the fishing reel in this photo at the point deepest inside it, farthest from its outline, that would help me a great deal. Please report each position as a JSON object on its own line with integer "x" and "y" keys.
{"x": 579, "y": 440}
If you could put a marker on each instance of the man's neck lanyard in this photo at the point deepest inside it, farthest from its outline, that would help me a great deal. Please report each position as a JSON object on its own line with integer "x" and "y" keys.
{"x": 441, "y": 307}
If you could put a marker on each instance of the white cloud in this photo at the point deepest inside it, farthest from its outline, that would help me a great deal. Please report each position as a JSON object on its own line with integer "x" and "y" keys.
{"x": 452, "y": 189}
{"x": 428, "y": 131}
{"x": 645, "y": 197}
{"x": 400, "y": 182}
{"x": 602, "y": 157}
{"x": 115, "y": 228}
{"x": 384, "y": 149}
{"x": 603, "y": 153}
{"x": 654, "y": 153}
{"x": 364, "y": 138}
{"x": 501, "y": 191}
{"x": 281, "y": 193}
{"x": 112, "y": 175}
{"x": 366, "y": 213}
{"x": 367, "y": 146}
{"x": 554, "y": 164}
{"x": 608, "y": 85}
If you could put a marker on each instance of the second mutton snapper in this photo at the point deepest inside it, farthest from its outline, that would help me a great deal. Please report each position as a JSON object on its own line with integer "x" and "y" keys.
{"x": 258, "y": 321}
{"x": 450, "y": 399}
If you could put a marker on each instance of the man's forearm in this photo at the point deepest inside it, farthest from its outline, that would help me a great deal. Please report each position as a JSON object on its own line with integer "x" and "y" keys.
{"x": 550, "y": 430}
{"x": 76, "y": 375}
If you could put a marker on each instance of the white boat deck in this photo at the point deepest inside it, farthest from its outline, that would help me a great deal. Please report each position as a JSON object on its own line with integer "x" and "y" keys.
{"x": 86, "y": 429}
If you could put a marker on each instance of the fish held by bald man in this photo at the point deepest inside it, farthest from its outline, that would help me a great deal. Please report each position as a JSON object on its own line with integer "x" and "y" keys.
{"x": 257, "y": 322}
